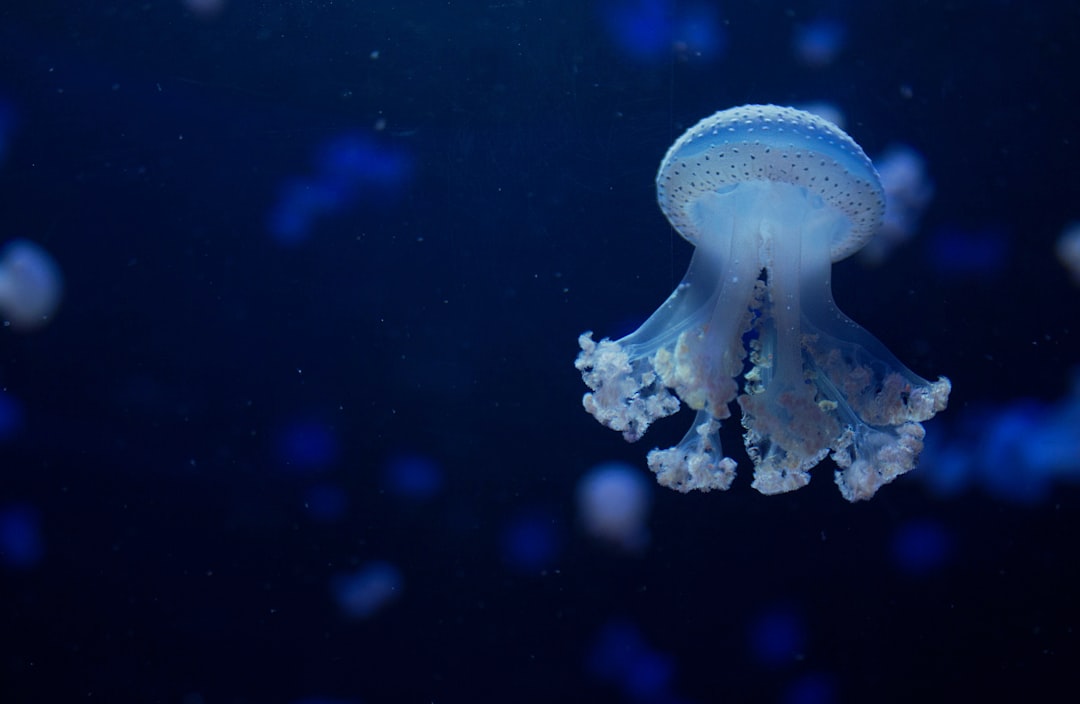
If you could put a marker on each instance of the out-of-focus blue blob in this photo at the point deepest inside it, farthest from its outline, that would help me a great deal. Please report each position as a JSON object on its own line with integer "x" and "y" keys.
{"x": 307, "y": 446}
{"x": 947, "y": 468}
{"x": 777, "y": 636}
{"x": 990, "y": 453}
{"x": 300, "y": 203}
{"x": 21, "y": 543}
{"x": 641, "y": 29}
{"x": 908, "y": 192}
{"x": 326, "y": 502}
{"x": 365, "y": 592}
{"x": 817, "y": 43}
{"x": 412, "y": 477}
{"x": 1004, "y": 456}
{"x": 347, "y": 168}
{"x": 650, "y": 30}
{"x": 355, "y": 159}
{"x": 1067, "y": 249}
{"x": 11, "y": 416}
{"x": 811, "y": 688}
{"x": 620, "y": 656}
{"x": 613, "y": 502}
{"x": 957, "y": 252}
{"x": 1014, "y": 452}
{"x": 205, "y": 9}
{"x": 30, "y": 285}
{"x": 921, "y": 546}
{"x": 531, "y": 541}
{"x": 698, "y": 33}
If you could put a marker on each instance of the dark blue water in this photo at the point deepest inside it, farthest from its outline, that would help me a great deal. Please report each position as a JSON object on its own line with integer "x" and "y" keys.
{"x": 306, "y": 426}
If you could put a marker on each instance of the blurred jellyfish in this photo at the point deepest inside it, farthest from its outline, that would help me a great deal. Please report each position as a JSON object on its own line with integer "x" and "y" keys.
{"x": 777, "y": 636}
{"x": 613, "y": 505}
{"x": 30, "y": 285}
{"x": 1068, "y": 250}
{"x": 531, "y": 541}
{"x": 650, "y": 30}
{"x": 770, "y": 197}
{"x": 206, "y": 9}
{"x": 11, "y": 416}
{"x": 413, "y": 477}
{"x": 817, "y": 43}
{"x": 698, "y": 32}
{"x": 1015, "y": 452}
{"x": 921, "y": 546}
{"x": 832, "y": 113}
{"x": 811, "y": 688}
{"x": 640, "y": 28}
{"x": 957, "y": 252}
{"x": 347, "y": 168}
{"x": 365, "y": 592}
{"x": 621, "y": 657}
{"x": 908, "y": 191}
{"x": 21, "y": 543}
{"x": 307, "y": 445}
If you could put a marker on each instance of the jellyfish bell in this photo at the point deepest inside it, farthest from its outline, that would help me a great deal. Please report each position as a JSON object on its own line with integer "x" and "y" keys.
{"x": 30, "y": 285}
{"x": 770, "y": 197}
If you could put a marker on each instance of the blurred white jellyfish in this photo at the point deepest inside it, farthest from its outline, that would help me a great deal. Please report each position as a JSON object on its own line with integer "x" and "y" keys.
{"x": 770, "y": 197}
{"x": 826, "y": 111}
{"x": 908, "y": 191}
{"x": 1068, "y": 250}
{"x": 613, "y": 505}
{"x": 30, "y": 285}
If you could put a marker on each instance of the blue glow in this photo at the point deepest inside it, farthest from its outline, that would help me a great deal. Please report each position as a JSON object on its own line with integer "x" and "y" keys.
{"x": 347, "y": 167}
{"x": 641, "y": 28}
{"x": 621, "y": 657}
{"x": 777, "y": 636}
{"x": 698, "y": 32}
{"x": 21, "y": 542}
{"x": 651, "y": 30}
{"x": 818, "y": 43}
{"x": 365, "y": 592}
{"x": 413, "y": 477}
{"x": 812, "y": 688}
{"x": 531, "y": 542}
{"x": 921, "y": 546}
{"x": 959, "y": 252}
{"x": 1015, "y": 452}
{"x": 308, "y": 446}
{"x": 11, "y": 416}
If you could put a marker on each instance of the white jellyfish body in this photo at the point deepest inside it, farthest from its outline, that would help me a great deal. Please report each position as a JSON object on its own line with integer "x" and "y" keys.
{"x": 770, "y": 197}
{"x": 30, "y": 285}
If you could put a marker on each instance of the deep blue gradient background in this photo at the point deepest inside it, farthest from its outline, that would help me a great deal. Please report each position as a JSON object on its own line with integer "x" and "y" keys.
{"x": 439, "y": 318}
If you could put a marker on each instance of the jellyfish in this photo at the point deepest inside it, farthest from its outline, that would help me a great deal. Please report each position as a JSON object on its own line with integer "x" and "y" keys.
{"x": 30, "y": 285}
{"x": 769, "y": 196}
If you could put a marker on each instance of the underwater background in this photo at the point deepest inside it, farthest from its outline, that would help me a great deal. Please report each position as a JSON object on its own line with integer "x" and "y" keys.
{"x": 302, "y": 424}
